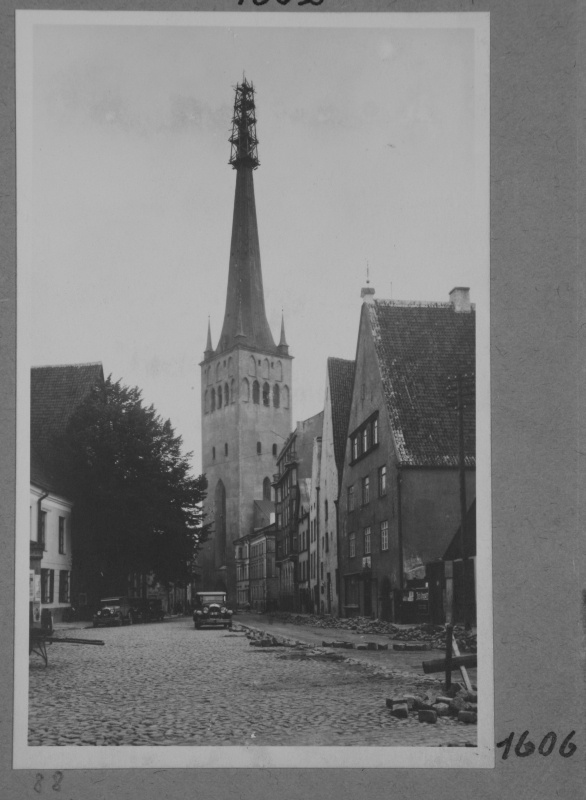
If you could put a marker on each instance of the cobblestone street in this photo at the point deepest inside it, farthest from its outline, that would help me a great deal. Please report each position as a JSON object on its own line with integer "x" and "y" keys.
{"x": 168, "y": 684}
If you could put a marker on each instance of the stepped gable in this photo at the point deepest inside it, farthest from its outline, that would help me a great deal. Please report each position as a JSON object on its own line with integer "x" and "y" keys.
{"x": 56, "y": 392}
{"x": 341, "y": 376}
{"x": 418, "y": 346}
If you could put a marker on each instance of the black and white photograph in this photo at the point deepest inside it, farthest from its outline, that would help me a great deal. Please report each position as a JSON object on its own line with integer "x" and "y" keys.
{"x": 253, "y": 400}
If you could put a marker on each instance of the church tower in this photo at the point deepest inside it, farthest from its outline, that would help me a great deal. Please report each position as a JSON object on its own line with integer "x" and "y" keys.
{"x": 246, "y": 392}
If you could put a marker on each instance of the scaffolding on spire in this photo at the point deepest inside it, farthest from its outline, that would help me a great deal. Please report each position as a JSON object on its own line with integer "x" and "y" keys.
{"x": 243, "y": 139}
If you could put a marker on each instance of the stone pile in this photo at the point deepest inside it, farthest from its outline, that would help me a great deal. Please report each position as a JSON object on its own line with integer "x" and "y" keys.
{"x": 456, "y": 702}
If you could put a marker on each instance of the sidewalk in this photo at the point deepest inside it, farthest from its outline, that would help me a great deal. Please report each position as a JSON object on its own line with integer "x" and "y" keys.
{"x": 392, "y": 660}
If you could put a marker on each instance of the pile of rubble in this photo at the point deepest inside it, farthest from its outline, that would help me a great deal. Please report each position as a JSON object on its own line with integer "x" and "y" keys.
{"x": 433, "y": 635}
{"x": 455, "y": 702}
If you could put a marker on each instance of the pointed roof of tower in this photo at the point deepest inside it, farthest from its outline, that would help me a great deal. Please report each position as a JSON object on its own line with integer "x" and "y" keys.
{"x": 245, "y": 314}
{"x": 209, "y": 349}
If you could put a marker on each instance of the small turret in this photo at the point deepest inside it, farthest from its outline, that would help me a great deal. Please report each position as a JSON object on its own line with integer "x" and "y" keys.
{"x": 209, "y": 351}
{"x": 283, "y": 346}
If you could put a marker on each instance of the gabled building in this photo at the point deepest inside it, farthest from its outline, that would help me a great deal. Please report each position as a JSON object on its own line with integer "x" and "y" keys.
{"x": 246, "y": 380}
{"x": 400, "y": 500}
{"x": 56, "y": 392}
{"x": 292, "y": 484}
{"x": 327, "y": 481}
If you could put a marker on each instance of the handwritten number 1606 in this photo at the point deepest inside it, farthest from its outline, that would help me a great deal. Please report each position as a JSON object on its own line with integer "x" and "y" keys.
{"x": 526, "y": 748}
{"x": 284, "y": 2}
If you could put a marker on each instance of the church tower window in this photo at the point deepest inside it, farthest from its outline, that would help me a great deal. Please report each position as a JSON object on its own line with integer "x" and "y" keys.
{"x": 213, "y": 406}
{"x": 266, "y": 394}
{"x": 219, "y": 397}
{"x": 279, "y": 371}
{"x": 285, "y": 397}
{"x": 265, "y": 368}
{"x": 232, "y": 398}
{"x": 214, "y": 453}
{"x": 206, "y": 402}
{"x": 256, "y": 392}
{"x": 276, "y": 396}
{"x": 230, "y": 366}
{"x": 226, "y": 394}
{"x": 275, "y": 450}
{"x": 266, "y": 489}
{"x": 251, "y": 366}
{"x": 226, "y": 449}
{"x": 218, "y": 371}
{"x": 245, "y": 390}
{"x": 258, "y": 448}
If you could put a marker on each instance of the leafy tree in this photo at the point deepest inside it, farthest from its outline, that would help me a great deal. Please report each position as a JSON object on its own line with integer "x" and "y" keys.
{"x": 137, "y": 508}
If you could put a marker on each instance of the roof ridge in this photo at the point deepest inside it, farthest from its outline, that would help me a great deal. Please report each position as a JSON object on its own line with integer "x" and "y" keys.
{"x": 62, "y": 366}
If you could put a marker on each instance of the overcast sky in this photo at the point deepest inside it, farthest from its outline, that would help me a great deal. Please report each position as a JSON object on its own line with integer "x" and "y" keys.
{"x": 368, "y": 146}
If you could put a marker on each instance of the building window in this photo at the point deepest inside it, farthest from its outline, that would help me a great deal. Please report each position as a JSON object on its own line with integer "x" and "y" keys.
{"x": 367, "y": 542}
{"x": 326, "y": 510}
{"x": 352, "y": 545}
{"x": 275, "y": 450}
{"x": 354, "y": 455}
{"x": 64, "y": 586}
{"x": 256, "y": 392}
{"x": 214, "y": 453}
{"x": 351, "y": 498}
{"x": 251, "y": 366}
{"x": 232, "y": 397}
{"x": 285, "y": 397}
{"x": 365, "y": 440}
{"x": 230, "y": 366}
{"x": 62, "y": 535}
{"x": 366, "y": 490}
{"x": 213, "y": 406}
{"x": 218, "y": 371}
{"x": 258, "y": 448}
{"x": 382, "y": 481}
{"x": 47, "y": 585}
{"x": 266, "y": 489}
{"x": 245, "y": 390}
{"x": 276, "y": 396}
{"x": 384, "y": 535}
{"x": 279, "y": 371}
{"x": 226, "y": 394}
{"x": 226, "y": 449}
{"x": 43, "y": 529}
{"x": 266, "y": 394}
{"x": 219, "y": 397}
{"x": 375, "y": 430}
{"x": 206, "y": 402}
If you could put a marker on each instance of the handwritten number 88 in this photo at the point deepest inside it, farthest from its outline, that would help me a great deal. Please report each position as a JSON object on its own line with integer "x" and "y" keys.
{"x": 526, "y": 748}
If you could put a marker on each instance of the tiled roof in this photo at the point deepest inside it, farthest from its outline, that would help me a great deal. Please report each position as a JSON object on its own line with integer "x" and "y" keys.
{"x": 55, "y": 394}
{"x": 419, "y": 345}
{"x": 341, "y": 377}
{"x": 262, "y": 513}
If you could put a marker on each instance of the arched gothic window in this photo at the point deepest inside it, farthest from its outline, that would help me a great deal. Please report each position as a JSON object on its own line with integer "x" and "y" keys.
{"x": 265, "y": 368}
{"x": 208, "y": 375}
{"x": 230, "y": 366}
{"x": 266, "y": 489}
{"x": 220, "y": 525}
{"x": 213, "y": 406}
{"x": 258, "y": 448}
{"x": 256, "y": 392}
{"x": 245, "y": 390}
{"x": 285, "y": 397}
{"x": 275, "y": 450}
{"x": 226, "y": 449}
{"x": 232, "y": 398}
{"x": 266, "y": 394}
{"x": 218, "y": 370}
{"x": 219, "y": 397}
{"x": 206, "y": 402}
{"x": 251, "y": 366}
{"x": 279, "y": 371}
{"x": 276, "y": 396}
{"x": 226, "y": 394}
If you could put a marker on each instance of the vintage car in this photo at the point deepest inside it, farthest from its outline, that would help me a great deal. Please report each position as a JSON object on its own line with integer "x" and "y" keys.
{"x": 211, "y": 609}
{"x": 114, "y": 611}
{"x": 150, "y": 610}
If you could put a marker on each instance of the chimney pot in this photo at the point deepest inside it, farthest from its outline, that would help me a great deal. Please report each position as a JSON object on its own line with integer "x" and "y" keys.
{"x": 460, "y": 299}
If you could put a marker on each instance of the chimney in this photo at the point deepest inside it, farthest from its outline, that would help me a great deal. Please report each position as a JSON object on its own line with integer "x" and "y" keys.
{"x": 460, "y": 299}
{"x": 367, "y": 294}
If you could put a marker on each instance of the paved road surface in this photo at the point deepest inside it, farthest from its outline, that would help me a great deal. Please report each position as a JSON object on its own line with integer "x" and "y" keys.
{"x": 168, "y": 684}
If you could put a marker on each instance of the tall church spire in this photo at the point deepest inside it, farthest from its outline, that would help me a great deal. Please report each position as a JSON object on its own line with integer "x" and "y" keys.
{"x": 245, "y": 314}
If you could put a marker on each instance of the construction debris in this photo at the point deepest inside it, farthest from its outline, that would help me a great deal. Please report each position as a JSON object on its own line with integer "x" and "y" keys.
{"x": 457, "y": 703}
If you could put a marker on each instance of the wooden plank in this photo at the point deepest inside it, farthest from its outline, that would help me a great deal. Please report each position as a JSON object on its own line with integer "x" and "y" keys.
{"x": 463, "y": 671}
{"x": 439, "y": 664}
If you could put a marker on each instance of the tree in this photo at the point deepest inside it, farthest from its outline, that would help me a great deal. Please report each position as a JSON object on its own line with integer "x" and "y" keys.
{"x": 137, "y": 508}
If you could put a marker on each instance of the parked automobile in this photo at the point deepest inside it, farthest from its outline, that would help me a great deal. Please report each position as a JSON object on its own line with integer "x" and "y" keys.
{"x": 211, "y": 609}
{"x": 149, "y": 610}
{"x": 114, "y": 611}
